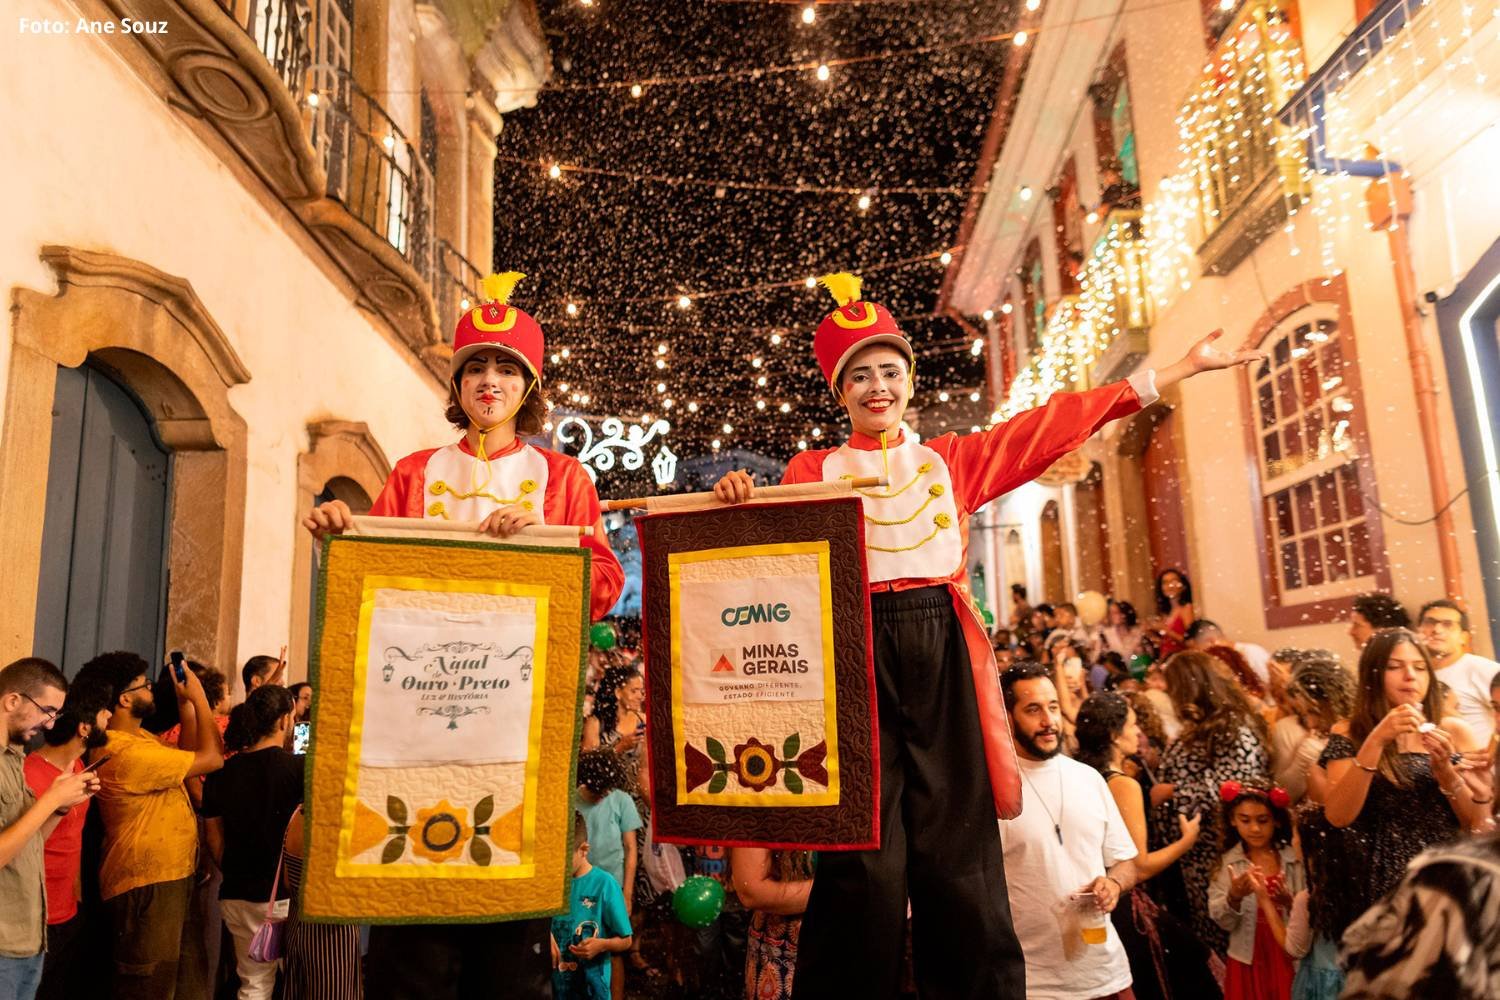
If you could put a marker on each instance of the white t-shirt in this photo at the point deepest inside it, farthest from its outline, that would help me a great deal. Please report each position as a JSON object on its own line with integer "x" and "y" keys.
{"x": 1469, "y": 678}
{"x": 1041, "y": 874}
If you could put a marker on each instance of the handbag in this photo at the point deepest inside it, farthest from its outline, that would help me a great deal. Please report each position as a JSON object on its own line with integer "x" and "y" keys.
{"x": 267, "y": 944}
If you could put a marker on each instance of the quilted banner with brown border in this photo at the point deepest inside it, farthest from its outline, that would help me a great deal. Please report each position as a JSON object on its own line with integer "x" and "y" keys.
{"x": 759, "y": 680}
{"x": 448, "y": 679}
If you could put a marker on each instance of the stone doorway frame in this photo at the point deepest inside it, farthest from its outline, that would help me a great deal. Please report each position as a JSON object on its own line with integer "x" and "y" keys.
{"x": 150, "y": 331}
{"x": 337, "y": 449}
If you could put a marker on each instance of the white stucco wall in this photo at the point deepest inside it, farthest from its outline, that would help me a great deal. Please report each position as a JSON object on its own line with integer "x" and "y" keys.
{"x": 99, "y": 162}
{"x": 1455, "y": 220}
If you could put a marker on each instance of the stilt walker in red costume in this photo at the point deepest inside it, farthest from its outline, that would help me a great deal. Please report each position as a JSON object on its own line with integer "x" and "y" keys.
{"x": 947, "y": 766}
{"x": 491, "y": 476}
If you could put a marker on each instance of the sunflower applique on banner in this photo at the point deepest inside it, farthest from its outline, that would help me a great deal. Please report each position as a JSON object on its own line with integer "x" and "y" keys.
{"x": 755, "y": 765}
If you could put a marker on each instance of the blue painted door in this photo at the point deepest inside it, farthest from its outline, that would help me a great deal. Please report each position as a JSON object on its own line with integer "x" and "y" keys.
{"x": 102, "y": 585}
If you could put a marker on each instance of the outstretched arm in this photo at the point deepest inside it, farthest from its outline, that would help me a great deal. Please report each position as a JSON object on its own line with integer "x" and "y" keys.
{"x": 996, "y": 461}
{"x": 1204, "y": 356}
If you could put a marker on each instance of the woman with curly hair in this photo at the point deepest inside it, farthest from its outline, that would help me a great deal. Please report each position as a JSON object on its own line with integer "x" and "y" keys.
{"x": 1165, "y": 958}
{"x": 617, "y": 722}
{"x": 1319, "y": 693}
{"x": 1223, "y": 739}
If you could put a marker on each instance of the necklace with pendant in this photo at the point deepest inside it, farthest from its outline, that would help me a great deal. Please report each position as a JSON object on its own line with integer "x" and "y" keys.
{"x": 1061, "y": 802}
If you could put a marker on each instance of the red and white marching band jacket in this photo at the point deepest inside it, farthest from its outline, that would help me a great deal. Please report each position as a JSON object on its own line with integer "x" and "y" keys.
{"x": 917, "y": 527}
{"x": 450, "y": 483}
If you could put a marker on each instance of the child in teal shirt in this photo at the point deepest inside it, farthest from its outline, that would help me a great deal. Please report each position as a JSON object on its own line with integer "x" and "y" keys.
{"x": 595, "y": 926}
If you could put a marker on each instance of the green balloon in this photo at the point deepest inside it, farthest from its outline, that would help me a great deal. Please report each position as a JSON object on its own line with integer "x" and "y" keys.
{"x": 602, "y": 635}
{"x": 698, "y": 901}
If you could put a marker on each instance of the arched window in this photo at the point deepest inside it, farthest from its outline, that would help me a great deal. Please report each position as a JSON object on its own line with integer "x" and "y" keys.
{"x": 1306, "y": 403}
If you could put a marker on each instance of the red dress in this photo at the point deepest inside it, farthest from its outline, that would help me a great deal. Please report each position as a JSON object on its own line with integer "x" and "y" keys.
{"x": 1269, "y": 975}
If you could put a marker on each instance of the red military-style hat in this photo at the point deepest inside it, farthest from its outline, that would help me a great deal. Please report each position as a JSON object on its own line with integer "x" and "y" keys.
{"x": 853, "y": 325}
{"x": 496, "y": 323}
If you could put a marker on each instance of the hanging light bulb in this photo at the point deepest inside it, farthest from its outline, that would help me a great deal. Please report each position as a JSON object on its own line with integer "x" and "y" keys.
{"x": 822, "y": 71}
{"x": 692, "y": 407}
{"x": 812, "y": 282}
{"x": 1032, "y": 5}
{"x": 945, "y": 258}
{"x": 802, "y": 445}
{"x": 572, "y": 309}
{"x": 864, "y": 202}
{"x": 761, "y": 381}
{"x": 977, "y": 347}
{"x": 554, "y": 171}
{"x": 728, "y": 428}
{"x": 565, "y": 352}
{"x": 817, "y": 432}
{"x": 668, "y": 403}
{"x": 988, "y": 315}
{"x": 760, "y": 404}
{"x": 715, "y": 442}
{"x": 974, "y": 397}
{"x": 1019, "y": 39}
{"x": 757, "y": 361}
{"x": 1025, "y": 193}
{"x": 785, "y": 407}
{"x": 775, "y": 340}
{"x": 1006, "y": 308}
{"x": 635, "y": 90}
{"x": 683, "y": 302}
{"x": 661, "y": 387}
{"x": 943, "y": 396}
{"x": 661, "y": 348}
{"x": 809, "y": 15}
{"x": 463, "y": 304}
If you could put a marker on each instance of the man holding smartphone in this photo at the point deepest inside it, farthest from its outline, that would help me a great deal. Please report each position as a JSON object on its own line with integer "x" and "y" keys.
{"x": 150, "y": 830}
{"x": 31, "y": 695}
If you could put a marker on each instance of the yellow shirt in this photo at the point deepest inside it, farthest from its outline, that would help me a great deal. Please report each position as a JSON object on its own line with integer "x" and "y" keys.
{"x": 150, "y": 830}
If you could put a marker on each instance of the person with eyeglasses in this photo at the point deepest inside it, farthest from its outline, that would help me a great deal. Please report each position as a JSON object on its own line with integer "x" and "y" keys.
{"x": 31, "y": 695}
{"x": 150, "y": 848}
{"x": 1444, "y": 627}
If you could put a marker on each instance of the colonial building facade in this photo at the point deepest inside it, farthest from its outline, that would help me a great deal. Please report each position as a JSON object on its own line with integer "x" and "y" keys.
{"x": 234, "y": 247}
{"x": 1314, "y": 179}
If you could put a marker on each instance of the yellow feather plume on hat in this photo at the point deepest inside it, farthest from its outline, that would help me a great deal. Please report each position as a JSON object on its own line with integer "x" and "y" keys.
{"x": 843, "y": 285}
{"x": 497, "y": 287}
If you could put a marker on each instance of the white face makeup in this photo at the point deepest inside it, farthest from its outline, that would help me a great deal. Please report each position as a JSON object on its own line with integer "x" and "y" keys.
{"x": 490, "y": 388}
{"x": 876, "y": 386}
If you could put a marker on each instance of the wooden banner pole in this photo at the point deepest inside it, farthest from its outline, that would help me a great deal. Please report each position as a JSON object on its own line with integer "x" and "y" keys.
{"x": 791, "y": 491}
{"x": 365, "y": 524}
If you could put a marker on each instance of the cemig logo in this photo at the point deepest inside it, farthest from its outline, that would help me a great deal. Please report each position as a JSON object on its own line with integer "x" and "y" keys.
{"x": 747, "y": 614}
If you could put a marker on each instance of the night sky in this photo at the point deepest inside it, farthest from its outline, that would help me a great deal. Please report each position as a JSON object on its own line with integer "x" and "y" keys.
{"x": 623, "y": 249}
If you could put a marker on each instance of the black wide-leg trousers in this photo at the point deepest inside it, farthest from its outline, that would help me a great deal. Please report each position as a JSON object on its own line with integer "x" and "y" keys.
{"x": 939, "y": 840}
{"x": 503, "y": 961}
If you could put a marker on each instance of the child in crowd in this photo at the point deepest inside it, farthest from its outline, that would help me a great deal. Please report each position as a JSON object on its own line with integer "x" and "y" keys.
{"x": 1320, "y": 912}
{"x": 612, "y": 819}
{"x": 1252, "y": 893}
{"x": 595, "y": 925}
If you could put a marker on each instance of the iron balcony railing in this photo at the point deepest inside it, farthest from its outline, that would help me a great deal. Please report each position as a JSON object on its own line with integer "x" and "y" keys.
{"x": 457, "y": 287}
{"x": 1228, "y": 126}
{"x": 373, "y": 169}
{"x": 1116, "y": 296}
{"x": 280, "y": 29}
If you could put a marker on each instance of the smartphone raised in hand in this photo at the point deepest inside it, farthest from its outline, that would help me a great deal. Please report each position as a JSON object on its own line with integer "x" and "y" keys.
{"x": 179, "y": 670}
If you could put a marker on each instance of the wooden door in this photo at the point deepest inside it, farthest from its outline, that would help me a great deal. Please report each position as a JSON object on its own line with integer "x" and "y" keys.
{"x": 1054, "y": 589}
{"x": 1161, "y": 478}
{"x": 103, "y": 581}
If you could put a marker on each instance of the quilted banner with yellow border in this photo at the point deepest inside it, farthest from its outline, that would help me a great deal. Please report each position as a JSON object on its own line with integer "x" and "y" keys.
{"x": 760, "y": 686}
{"x": 449, "y": 683}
